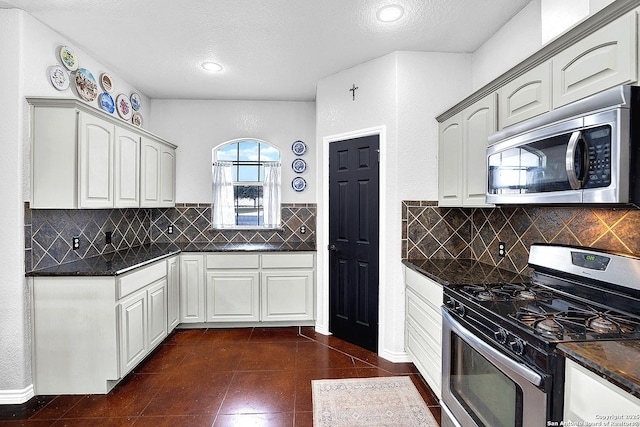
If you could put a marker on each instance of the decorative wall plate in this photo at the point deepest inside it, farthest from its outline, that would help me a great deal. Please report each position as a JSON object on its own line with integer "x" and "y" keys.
{"x": 299, "y": 148}
{"x": 299, "y": 184}
{"x": 85, "y": 84}
{"x": 136, "y": 103}
{"x": 123, "y": 105}
{"x": 68, "y": 58}
{"x": 137, "y": 119}
{"x": 106, "y": 82}
{"x": 59, "y": 77}
{"x": 299, "y": 165}
{"x": 106, "y": 102}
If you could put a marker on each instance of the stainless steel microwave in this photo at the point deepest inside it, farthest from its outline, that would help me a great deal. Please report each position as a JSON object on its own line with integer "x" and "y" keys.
{"x": 584, "y": 152}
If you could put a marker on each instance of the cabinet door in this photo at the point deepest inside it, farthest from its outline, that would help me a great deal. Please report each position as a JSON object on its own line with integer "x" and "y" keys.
{"x": 479, "y": 121}
{"x": 526, "y": 96}
{"x": 287, "y": 295}
{"x": 95, "y": 162}
{"x": 157, "y": 301}
{"x": 233, "y": 296}
{"x": 192, "y": 303}
{"x": 449, "y": 162}
{"x": 167, "y": 177}
{"x": 150, "y": 174}
{"x": 133, "y": 331}
{"x": 127, "y": 169}
{"x": 173, "y": 293}
{"x": 604, "y": 59}
{"x": 588, "y": 397}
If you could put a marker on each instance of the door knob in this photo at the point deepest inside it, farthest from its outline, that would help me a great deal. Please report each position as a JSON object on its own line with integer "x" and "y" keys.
{"x": 333, "y": 248}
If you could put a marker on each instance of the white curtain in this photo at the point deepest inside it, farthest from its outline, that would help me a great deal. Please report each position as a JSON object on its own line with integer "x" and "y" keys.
{"x": 223, "y": 209}
{"x": 271, "y": 194}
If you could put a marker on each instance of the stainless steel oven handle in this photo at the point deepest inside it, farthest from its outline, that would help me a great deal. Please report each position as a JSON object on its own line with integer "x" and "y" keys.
{"x": 526, "y": 373}
{"x": 574, "y": 140}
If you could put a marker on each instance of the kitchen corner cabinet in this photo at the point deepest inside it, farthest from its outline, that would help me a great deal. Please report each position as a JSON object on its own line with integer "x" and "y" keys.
{"x": 423, "y": 326}
{"x": 462, "y": 162}
{"x": 588, "y": 398}
{"x": 89, "y": 332}
{"x": 606, "y": 58}
{"x": 84, "y": 158}
{"x": 526, "y": 96}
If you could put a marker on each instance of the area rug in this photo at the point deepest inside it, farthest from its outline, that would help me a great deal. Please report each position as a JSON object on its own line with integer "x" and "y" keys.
{"x": 379, "y": 401}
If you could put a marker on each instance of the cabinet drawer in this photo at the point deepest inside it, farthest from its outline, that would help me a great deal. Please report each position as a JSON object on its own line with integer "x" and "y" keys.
{"x": 427, "y": 289}
{"x": 140, "y": 278}
{"x": 428, "y": 319}
{"x": 287, "y": 260}
{"x": 233, "y": 261}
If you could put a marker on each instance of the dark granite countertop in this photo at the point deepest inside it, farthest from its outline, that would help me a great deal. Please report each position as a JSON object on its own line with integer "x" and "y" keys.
{"x": 463, "y": 272}
{"x": 115, "y": 263}
{"x": 616, "y": 361}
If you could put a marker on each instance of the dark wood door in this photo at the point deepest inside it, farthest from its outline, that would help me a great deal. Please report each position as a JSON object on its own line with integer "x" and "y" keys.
{"x": 353, "y": 240}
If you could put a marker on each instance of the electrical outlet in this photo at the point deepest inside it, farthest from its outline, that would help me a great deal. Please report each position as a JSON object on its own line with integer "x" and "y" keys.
{"x": 170, "y": 229}
{"x": 502, "y": 249}
{"x": 107, "y": 237}
{"x": 303, "y": 229}
{"x": 75, "y": 243}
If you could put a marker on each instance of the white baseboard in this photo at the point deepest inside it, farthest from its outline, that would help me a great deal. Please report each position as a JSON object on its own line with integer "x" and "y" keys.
{"x": 395, "y": 357}
{"x": 16, "y": 397}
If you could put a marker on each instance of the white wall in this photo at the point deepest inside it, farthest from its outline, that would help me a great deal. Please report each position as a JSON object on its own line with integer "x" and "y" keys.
{"x": 198, "y": 126}
{"x": 15, "y": 361}
{"x": 399, "y": 95}
{"x": 29, "y": 48}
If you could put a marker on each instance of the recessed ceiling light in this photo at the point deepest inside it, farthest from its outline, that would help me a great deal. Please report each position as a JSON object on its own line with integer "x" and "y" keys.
{"x": 212, "y": 66}
{"x": 390, "y": 13}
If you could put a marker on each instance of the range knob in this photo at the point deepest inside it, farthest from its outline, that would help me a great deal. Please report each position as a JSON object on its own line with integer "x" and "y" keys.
{"x": 461, "y": 310}
{"x": 517, "y": 346}
{"x": 501, "y": 335}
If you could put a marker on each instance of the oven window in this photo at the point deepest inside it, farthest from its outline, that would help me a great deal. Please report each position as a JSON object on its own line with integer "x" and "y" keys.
{"x": 489, "y": 396}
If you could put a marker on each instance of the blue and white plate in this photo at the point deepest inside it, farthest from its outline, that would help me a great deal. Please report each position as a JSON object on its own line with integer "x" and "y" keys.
{"x": 136, "y": 103}
{"x": 106, "y": 102}
{"x": 299, "y": 148}
{"x": 299, "y": 165}
{"x": 299, "y": 184}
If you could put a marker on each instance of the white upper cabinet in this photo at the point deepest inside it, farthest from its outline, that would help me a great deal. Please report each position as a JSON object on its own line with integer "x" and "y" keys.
{"x": 127, "y": 169}
{"x": 158, "y": 174}
{"x": 606, "y": 58}
{"x": 526, "y": 96}
{"x": 95, "y": 161}
{"x": 449, "y": 162}
{"x": 462, "y": 176}
{"x": 84, "y": 158}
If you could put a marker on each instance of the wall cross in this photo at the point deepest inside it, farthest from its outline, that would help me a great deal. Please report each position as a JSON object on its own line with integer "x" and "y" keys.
{"x": 353, "y": 91}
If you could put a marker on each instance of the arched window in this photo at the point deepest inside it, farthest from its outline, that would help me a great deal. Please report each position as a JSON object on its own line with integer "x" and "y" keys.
{"x": 246, "y": 185}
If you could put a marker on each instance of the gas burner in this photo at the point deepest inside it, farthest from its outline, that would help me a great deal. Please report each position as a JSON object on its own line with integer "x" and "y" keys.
{"x": 605, "y": 322}
{"x": 507, "y": 292}
{"x": 602, "y": 325}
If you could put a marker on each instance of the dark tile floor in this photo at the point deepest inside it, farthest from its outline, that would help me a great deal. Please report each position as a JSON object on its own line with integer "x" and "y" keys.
{"x": 219, "y": 377}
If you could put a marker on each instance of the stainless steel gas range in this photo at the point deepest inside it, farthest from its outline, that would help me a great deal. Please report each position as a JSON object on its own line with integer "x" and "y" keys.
{"x": 500, "y": 364}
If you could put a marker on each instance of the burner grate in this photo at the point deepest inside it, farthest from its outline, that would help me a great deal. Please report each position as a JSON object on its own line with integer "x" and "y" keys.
{"x": 507, "y": 292}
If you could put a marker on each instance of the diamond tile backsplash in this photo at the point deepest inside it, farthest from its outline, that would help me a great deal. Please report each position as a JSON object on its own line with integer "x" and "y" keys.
{"x": 49, "y": 232}
{"x": 432, "y": 232}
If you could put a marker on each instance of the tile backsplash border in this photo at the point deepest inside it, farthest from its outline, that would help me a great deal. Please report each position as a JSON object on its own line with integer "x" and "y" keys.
{"x": 49, "y": 232}
{"x": 429, "y": 231}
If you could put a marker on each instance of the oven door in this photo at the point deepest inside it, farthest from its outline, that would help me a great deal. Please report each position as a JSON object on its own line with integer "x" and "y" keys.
{"x": 481, "y": 386}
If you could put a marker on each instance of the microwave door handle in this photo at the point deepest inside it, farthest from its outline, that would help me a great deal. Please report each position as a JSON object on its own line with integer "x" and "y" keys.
{"x": 574, "y": 181}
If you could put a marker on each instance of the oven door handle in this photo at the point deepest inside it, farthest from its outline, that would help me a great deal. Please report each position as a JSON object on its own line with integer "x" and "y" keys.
{"x": 526, "y": 373}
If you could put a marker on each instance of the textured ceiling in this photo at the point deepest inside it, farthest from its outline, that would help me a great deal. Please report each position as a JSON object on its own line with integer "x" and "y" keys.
{"x": 270, "y": 49}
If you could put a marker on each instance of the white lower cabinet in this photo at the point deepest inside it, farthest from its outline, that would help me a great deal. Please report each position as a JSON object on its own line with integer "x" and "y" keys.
{"x": 173, "y": 293}
{"x": 192, "y": 303}
{"x": 588, "y": 398}
{"x": 89, "y": 332}
{"x": 423, "y": 327}
{"x": 248, "y": 287}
